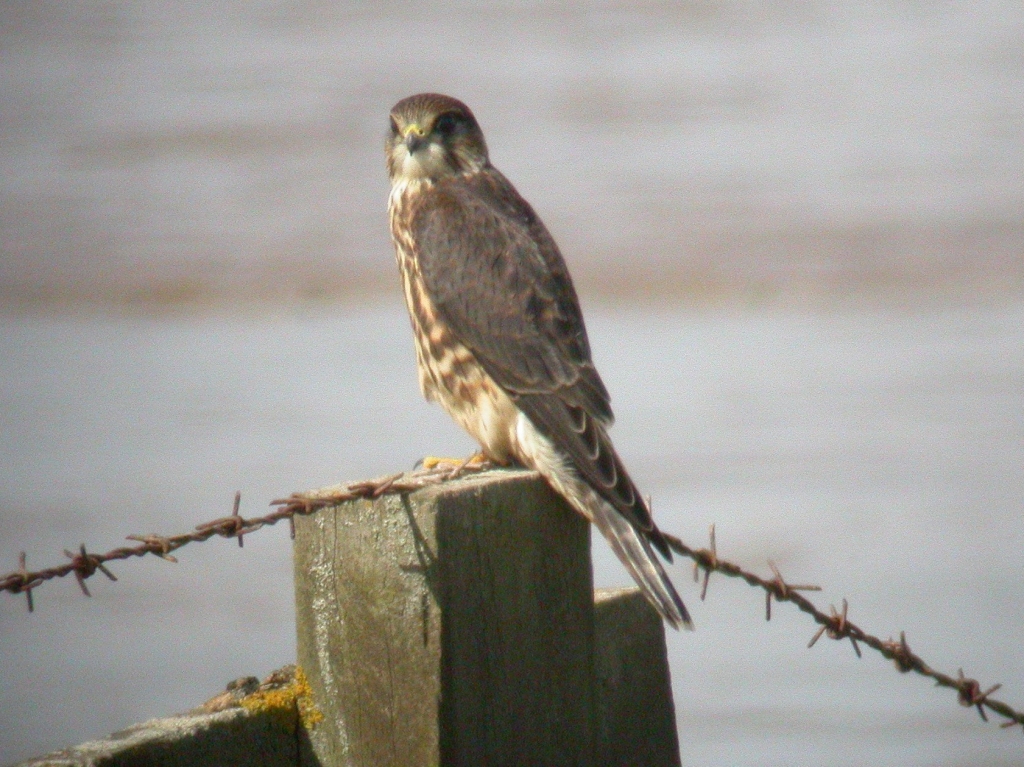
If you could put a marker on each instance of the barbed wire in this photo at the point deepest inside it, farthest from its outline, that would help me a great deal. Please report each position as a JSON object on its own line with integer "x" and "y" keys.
{"x": 84, "y": 565}
{"x": 836, "y": 625}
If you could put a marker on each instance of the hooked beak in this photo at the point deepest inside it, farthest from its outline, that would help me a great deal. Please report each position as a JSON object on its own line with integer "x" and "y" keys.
{"x": 414, "y": 139}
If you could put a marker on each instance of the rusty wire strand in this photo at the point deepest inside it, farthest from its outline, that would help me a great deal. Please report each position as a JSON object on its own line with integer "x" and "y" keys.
{"x": 83, "y": 565}
{"x": 835, "y": 626}
{"x": 838, "y": 626}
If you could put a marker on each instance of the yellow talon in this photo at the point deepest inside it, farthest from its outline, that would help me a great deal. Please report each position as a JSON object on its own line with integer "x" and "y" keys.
{"x": 432, "y": 461}
{"x": 475, "y": 461}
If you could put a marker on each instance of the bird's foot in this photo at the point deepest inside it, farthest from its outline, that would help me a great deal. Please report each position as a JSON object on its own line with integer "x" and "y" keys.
{"x": 476, "y": 462}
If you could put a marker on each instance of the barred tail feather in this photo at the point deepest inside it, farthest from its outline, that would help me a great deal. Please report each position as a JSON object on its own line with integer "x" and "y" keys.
{"x": 630, "y": 545}
{"x": 636, "y": 553}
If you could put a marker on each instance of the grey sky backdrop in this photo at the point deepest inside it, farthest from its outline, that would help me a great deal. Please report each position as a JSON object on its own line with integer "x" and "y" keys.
{"x": 166, "y": 152}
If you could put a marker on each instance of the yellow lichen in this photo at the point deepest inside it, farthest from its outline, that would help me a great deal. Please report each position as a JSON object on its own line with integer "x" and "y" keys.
{"x": 309, "y": 714}
{"x": 289, "y": 704}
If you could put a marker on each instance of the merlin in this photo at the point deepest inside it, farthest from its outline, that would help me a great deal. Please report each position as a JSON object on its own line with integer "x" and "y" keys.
{"x": 499, "y": 335}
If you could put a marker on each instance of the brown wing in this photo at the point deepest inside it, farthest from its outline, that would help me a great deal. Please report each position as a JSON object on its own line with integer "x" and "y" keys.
{"x": 498, "y": 280}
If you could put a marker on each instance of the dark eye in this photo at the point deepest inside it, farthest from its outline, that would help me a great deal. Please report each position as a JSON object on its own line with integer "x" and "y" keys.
{"x": 394, "y": 127}
{"x": 447, "y": 123}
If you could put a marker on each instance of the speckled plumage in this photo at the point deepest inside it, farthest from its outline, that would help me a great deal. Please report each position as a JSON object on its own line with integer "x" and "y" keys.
{"x": 500, "y": 339}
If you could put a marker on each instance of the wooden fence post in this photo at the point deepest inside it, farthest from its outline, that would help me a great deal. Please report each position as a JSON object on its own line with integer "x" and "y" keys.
{"x": 455, "y": 626}
{"x": 636, "y": 717}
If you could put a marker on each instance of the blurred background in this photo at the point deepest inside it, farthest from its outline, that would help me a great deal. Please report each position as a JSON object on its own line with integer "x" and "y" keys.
{"x": 798, "y": 234}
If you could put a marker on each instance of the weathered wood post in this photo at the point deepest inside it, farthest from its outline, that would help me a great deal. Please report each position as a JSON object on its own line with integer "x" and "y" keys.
{"x": 455, "y": 626}
{"x": 636, "y": 718}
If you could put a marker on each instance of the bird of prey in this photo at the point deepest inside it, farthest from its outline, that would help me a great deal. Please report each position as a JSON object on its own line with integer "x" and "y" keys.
{"x": 499, "y": 335}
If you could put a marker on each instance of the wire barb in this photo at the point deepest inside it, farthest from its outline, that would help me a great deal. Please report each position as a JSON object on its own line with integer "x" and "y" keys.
{"x": 160, "y": 546}
{"x": 22, "y": 582}
{"x": 781, "y": 590}
{"x": 900, "y": 654}
{"x": 234, "y": 513}
{"x": 84, "y": 564}
{"x": 836, "y": 629}
{"x": 970, "y": 693}
{"x": 712, "y": 556}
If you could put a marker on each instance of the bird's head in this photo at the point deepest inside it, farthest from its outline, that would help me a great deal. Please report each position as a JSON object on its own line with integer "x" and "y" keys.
{"x": 433, "y": 136}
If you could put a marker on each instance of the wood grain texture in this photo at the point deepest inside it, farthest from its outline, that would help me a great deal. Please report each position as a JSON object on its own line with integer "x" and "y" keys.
{"x": 451, "y": 626}
{"x": 636, "y": 718}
